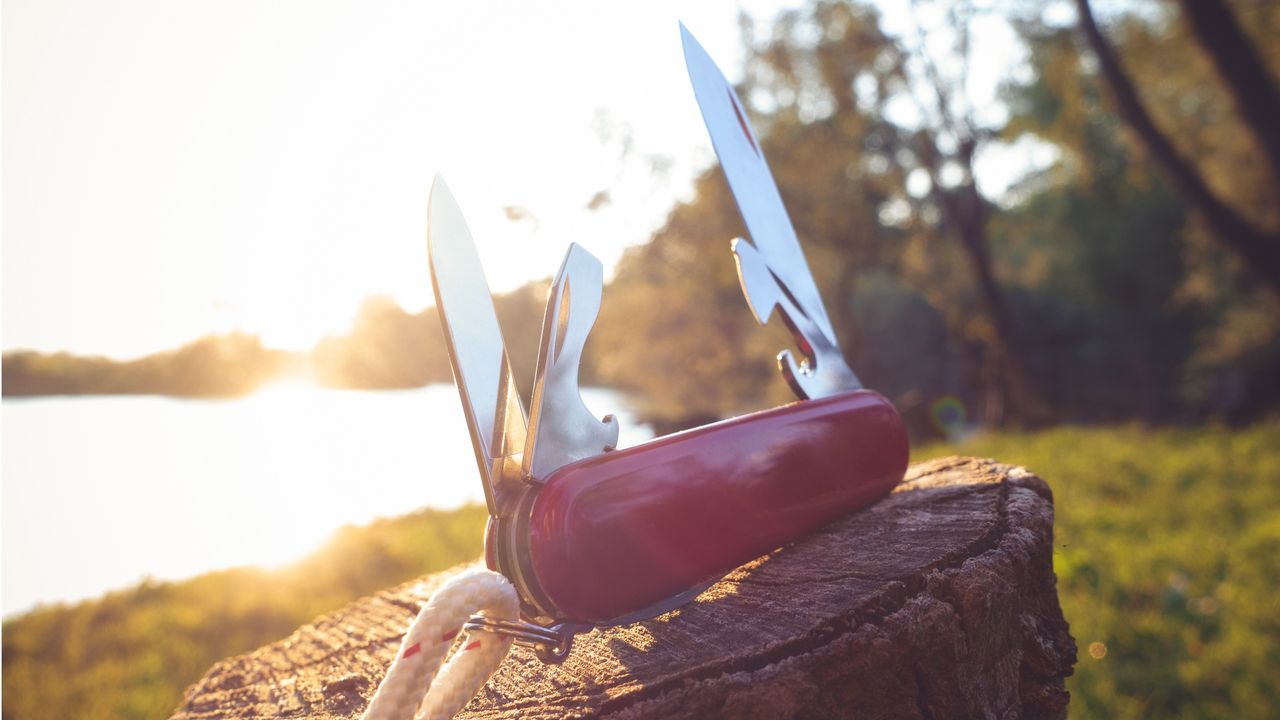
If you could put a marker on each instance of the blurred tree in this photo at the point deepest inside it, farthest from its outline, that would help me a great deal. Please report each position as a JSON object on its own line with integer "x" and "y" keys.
{"x": 1116, "y": 305}
{"x": 520, "y": 316}
{"x": 1205, "y": 328}
{"x": 215, "y": 365}
{"x": 673, "y": 327}
{"x": 835, "y": 158}
{"x": 1253, "y": 91}
{"x": 387, "y": 348}
{"x": 1088, "y": 276}
{"x": 837, "y": 68}
{"x": 1094, "y": 241}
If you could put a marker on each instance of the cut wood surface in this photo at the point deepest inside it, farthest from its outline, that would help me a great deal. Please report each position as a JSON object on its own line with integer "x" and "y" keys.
{"x": 937, "y": 602}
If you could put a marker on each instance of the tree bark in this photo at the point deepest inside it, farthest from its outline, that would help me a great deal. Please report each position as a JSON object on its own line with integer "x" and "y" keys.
{"x": 1254, "y": 90}
{"x": 939, "y": 601}
{"x": 965, "y": 214}
{"x": 1259, "y": 249}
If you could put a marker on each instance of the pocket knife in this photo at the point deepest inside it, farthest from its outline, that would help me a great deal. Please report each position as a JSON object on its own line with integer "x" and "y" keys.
{"x": 591, "y": 535}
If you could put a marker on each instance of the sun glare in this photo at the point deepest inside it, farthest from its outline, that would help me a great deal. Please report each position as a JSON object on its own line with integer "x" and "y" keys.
{"x": 306, "y": 191}
{"x": 289, "y": 386}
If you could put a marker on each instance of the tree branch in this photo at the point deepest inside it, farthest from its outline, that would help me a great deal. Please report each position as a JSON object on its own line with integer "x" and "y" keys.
{"x": 1259, "y": 250}
{"x": 1255, "y": 92}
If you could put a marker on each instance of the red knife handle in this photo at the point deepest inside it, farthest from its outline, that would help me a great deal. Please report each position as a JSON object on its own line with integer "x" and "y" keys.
{"x": 625, "y": 531}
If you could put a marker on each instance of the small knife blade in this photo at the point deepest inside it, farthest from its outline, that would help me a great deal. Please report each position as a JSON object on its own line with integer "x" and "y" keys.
{"x": 773, "y": 269}
{"x": 482, "y": 371}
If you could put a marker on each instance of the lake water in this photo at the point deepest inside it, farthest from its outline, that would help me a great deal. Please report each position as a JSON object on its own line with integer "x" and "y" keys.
{"x": 100, "y": 492}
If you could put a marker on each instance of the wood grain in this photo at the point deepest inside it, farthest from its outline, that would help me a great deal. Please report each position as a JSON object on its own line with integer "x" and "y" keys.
{"x": 938, "y": 602}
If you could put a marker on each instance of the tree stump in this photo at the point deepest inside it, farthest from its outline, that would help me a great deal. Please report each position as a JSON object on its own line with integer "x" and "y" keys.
{"x": 937, "y": 602}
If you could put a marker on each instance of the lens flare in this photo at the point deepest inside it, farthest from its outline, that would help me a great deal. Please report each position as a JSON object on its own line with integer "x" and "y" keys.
{"x": 949, "y": 416}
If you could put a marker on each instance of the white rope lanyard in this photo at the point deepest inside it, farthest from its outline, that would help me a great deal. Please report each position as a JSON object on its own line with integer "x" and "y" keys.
{"x": 412, "y": 688}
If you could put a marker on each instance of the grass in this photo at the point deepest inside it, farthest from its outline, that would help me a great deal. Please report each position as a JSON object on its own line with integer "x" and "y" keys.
{"x": 1167, "y": 551}
{"x": 130, "y": 654}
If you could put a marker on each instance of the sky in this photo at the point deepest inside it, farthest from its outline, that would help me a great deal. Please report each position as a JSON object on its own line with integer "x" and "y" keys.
{"x": 174, "y": 168}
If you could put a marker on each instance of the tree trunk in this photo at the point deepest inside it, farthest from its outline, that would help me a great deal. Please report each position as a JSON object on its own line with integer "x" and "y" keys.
{"x": 1254, "y": 90}
{"x": 1259, "y": 249}
{"x": 937, "y": 602}
{"x": 965, "y": 211}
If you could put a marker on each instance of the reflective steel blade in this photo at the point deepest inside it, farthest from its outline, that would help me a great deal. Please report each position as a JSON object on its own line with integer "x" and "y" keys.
{"x": 561, "y": 427}
{"x": 773, "y": 269}
{"x": 477, "y": 353}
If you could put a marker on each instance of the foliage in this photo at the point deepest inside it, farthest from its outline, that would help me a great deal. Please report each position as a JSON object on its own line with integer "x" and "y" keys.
{"x": 1167, "y": 549}
{"x": 215, "y": 365}
{"x": 1121, "y": 303}
{"x": 1207, "y": 329}
{"x": 131, "y": 653}
{"x": 1090, "y": 278}
{"x": 386, "y": 348}
{"x": 702, "y": 355}
{"x": 1118, "y": 309}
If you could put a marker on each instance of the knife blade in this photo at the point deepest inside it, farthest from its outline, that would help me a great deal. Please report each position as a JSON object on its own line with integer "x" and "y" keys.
{"x": 481, "y": 369}
{"x": 772, "y": 267}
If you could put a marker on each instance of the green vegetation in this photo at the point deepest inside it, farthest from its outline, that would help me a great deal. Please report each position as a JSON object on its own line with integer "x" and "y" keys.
{"x": 131, "y": 653}
{"x": 1088, "y": 291}
{"x": 1167, "y": 550}
{"x": 213, "y": 366}
{"x": 1104, "y": 286}
{"x": 1132, "y": 277}
{"x": 386, "y": 348}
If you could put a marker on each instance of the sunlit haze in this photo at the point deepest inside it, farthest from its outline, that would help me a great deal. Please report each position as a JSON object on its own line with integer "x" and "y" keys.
{"x": 173, "y": 169}
{"x": 166, "y": 488}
